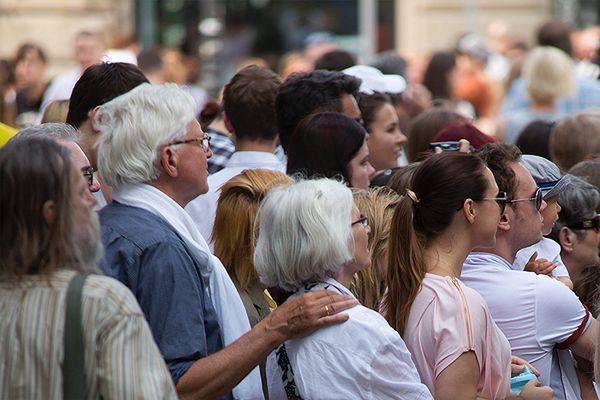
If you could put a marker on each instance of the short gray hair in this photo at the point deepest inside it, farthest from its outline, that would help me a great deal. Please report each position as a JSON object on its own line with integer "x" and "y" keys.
{"x": 305, "y": 233}
{"x": 50, "y": 130}
{"x": 578, "y": 202}
{"x": 135, "y": 125}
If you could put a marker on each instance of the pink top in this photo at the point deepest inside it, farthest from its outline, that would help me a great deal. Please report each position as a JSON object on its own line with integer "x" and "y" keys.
{"x": 447, "y": 319}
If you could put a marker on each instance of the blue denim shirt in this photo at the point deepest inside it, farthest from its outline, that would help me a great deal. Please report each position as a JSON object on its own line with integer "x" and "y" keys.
{"x": 147, "y": 255}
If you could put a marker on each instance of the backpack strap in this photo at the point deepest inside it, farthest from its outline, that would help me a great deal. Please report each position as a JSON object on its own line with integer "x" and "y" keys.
{"x": 74, "y": 382}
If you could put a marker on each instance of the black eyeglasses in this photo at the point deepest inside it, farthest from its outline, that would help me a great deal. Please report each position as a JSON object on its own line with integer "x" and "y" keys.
{"x": 502, "y": 199}
{"x": 537, "y": 198}
{"x": 88, "y": 174}
{"x": 592, "y": 223}
{"x": 363, "y": 220}
{"x": 203, "y": 142}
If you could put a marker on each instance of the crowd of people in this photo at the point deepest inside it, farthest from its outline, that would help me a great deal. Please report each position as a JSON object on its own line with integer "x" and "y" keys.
{"x": 338, "y": 231}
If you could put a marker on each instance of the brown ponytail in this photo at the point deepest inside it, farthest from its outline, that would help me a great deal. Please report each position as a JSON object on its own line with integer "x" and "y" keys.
{"x": 406, "y": 266}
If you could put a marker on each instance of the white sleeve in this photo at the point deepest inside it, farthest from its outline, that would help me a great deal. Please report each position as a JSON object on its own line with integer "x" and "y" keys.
{"x": 558, "y": 312}
{"x": 393, "y": 374}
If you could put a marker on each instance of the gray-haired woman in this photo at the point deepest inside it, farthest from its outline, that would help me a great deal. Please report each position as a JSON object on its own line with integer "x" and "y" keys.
{"x": 311, "y": 237}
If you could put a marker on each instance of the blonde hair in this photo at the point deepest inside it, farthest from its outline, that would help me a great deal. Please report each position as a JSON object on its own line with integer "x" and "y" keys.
{"x": 237, "y": 208}
{"x": 368, "y": 285}
{"x": 56, "y": 111}
{"x": 548, "y": 73}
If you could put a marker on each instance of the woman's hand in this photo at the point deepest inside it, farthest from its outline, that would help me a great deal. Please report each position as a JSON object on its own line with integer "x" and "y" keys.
{"x": 517, "y": 365}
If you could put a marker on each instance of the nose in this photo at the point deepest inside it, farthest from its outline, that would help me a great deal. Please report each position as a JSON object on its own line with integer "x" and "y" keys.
{"x": 543, "y": 206}
{"x": 371, "y": 170}
{"x": 401, "y": 138}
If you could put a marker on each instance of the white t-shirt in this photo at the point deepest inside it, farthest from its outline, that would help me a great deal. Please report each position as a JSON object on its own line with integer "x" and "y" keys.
{"x": 203, "y": 209}
{"x": 546, "y": 248}
{"x": 363, "y": 358}
{"x": 536, "y": 313}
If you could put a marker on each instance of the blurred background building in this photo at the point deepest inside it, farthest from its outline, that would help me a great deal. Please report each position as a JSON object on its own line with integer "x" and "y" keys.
{"x": 219, "y": 34}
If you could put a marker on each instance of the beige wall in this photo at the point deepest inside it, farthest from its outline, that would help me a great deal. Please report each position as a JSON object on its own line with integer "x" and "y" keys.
{"x": 423, "y": 26}
{"x": 53, "y": 24}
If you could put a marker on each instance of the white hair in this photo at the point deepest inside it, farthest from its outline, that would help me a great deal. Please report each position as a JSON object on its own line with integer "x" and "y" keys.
{"x": 134, "y": 126}
{"x": 549, "y": 74}
{"x": 304, "y": 233}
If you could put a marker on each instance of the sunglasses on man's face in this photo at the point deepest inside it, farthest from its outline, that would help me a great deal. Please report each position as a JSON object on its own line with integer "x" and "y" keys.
{"x": 537, "y": 198}
{"x": 592, "y": 223}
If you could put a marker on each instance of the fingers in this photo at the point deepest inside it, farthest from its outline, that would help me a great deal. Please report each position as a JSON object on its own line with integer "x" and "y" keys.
{"x": 464, "y": 146}
{"x": 546, "y": 268}
{"x": 533, "y": 257}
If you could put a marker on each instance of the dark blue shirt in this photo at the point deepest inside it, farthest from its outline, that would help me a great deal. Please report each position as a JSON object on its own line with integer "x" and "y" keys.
{"x": 147, "y": 255}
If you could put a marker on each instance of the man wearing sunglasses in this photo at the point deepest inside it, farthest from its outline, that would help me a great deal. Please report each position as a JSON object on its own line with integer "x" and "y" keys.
{"x": 542, "y": 318}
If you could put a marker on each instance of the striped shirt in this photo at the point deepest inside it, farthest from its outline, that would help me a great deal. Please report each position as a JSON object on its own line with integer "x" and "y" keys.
{"x": 121, "y": 359}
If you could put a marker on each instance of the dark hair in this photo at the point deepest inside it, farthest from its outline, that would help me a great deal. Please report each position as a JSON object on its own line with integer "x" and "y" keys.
{"x": 498, "y": 157}
{"x": 369, "y": 104}
{"x": 535, "y": 138}
{"x": 463, "y": 130}
{"x": 436, "y": 74}
{"x": 304, "y": 93}
{"x": 323, "y": 145}
{"x": 32, "y": 172}
{"x": 335, "y": 60}
{"x": 26, "y": 48}
{"x": 556, "y": 33}
{"x": 249, "y": 103}
{"x": 424, "y": 127}
{"x": 99, "y": 84}
{"x": 441, "y": 185}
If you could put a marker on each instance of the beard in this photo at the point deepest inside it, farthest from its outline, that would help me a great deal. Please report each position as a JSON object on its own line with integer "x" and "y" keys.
{"x": 88, "y": 244}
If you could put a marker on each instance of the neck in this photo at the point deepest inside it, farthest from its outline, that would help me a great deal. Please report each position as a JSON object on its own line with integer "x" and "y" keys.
{"x": 87, "y": 142}
{"x": 171, "y": 191}
{"x": 574, "y": 268}
{"x": 345, "y": 277}
{"x": 446, "y": 254}
{"x": 504, "y": 252}
{"x": 266, "y": 146}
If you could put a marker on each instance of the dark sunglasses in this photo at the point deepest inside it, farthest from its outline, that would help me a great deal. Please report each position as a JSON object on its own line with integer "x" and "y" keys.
{"x": 593, "y": 223}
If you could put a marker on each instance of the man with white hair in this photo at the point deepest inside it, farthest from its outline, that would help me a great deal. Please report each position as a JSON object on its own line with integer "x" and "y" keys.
{"x": 154, "y": 155}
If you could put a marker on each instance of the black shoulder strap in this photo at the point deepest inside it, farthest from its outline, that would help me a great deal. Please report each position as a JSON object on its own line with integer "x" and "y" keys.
{"x": 73, "y": 364}
{"x": 287, "y": 374}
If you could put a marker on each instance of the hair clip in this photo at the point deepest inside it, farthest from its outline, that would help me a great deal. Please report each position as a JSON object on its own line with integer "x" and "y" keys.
{"x": 411, "y": 195}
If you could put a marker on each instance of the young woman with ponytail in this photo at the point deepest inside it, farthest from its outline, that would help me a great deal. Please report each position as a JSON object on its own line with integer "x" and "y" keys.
{"x": 452, "y": 206}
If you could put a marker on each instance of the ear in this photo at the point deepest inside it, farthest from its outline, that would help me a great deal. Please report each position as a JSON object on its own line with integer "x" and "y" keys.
{"x": 92, "y": 117}
{"x": 49, "y": 212}
{"x": 227, "y": 123}
{"x": 169, "y": 161}
{"x": 566, "y": 239}
{"x": 504, "y": 224}
{"x": 469, "y": 211}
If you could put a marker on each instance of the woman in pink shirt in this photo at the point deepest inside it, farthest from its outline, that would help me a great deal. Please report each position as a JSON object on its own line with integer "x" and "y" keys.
{"x": 452, "y": 207}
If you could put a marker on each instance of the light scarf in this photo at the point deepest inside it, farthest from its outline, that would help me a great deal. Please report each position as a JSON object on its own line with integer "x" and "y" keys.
{"x": 226, "y": 301}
